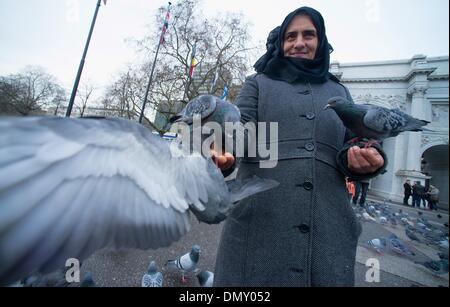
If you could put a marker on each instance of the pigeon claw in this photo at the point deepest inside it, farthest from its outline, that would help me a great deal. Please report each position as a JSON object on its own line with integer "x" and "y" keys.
{"x": 370, "y": 143}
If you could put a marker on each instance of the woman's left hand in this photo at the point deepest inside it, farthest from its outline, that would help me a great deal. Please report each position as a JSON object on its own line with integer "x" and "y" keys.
{"x": 364, "y": 160}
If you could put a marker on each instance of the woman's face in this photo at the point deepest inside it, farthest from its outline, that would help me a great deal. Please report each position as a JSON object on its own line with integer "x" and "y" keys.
{"x": 300, "y": 39}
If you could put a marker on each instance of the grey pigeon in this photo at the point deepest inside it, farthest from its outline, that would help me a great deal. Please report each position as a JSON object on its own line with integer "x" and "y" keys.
{"x": 205, "y": 278}
{"x": 397, "y": 246}
{"x": 153, "y": 278}
{"x": 210, "y": 109}
{"x": 436, "y": 267}
{"x": 410, "y": 234}
{"x": 70, "y": 186}
{"x": 88, "y": 280}
{"x": 374, "y": 122}
{"x": 378, "y": 245}
{"x": 186, "y": 263}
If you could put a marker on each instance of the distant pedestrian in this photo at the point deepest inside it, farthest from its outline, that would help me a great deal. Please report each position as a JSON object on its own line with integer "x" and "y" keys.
{"x": 407, "y": 193}
{"x": 361, "y": 188}
{"x": 433, "y": 197}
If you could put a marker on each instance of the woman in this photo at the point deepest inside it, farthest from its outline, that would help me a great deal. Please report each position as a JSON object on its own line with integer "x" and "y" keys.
{"x": 303, "y": 233}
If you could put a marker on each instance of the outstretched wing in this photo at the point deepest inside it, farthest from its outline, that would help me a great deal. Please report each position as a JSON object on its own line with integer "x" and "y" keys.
{"x": 69, "y": 187}
{"x": 384, "y": 120}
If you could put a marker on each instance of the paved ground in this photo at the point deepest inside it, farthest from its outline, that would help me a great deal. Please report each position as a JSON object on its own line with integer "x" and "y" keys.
{"x": 125, "y": 268}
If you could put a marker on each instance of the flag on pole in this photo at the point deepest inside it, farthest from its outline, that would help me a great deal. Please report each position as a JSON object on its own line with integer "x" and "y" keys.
{"x": 193, "y": 62}
{"x": 225, "y": 93}
{"x": 165, "y": 27}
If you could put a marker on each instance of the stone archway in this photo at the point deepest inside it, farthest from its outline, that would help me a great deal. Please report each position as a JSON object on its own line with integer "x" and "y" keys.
{"x": 435, "y": 163}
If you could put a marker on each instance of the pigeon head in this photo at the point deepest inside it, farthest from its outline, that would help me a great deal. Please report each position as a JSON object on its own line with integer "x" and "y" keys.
{"x": 202, "y": 106}
{"x": 195, "y": 253}
{"x": 337, "y": 103}
{"x": 152, "y": 269}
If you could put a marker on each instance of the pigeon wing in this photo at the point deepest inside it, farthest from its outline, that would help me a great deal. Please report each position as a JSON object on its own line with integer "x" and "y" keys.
{"x": 384, "y": 120}
{"x": 71, "y": 186}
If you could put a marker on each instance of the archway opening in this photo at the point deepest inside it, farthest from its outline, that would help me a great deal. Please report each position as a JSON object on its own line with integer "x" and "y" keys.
{"x": 435, "y": 163}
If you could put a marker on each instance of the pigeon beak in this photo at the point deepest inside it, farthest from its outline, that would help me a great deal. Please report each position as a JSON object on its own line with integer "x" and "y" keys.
{"x": 327, "y": 107}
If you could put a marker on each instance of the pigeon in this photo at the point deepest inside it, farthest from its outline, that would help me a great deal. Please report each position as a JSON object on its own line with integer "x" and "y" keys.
{"x": 72, "y": 186}
{"x": 186, "y": 263}
{"x": 410, "y": 234}
{"x": 436, "y": 267}
{"x": 367, "y": 217}
{"x": 153, "y": 278}
{"x": 209, "y": 109}
{"x": 383, "y": 220}
{"x": 374, "y": 122}
{"x": 205, "y": 278}
{"x": 398, "y": 247}
{"x": 378, "y": 245}
{"x": 87, "y": 281}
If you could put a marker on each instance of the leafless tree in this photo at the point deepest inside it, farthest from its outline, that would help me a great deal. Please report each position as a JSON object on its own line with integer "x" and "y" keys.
{"x": 29, "y": 92}
{"x": 83, "y": 95}
{"x": 222, "y": 52}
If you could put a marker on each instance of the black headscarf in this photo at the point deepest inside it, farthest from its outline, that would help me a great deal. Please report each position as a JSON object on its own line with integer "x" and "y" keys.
{"x": 276, "y": 66}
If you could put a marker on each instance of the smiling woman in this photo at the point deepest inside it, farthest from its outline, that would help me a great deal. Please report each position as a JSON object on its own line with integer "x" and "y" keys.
{"x": 300, "y": 39}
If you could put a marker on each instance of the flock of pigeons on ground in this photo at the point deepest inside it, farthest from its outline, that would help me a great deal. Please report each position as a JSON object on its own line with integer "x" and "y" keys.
{"x": 418, "y": 230}
{"x": 186, "y": 265}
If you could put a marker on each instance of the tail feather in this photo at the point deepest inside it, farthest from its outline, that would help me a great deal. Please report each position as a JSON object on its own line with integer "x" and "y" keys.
{"x": 248, "y": 187}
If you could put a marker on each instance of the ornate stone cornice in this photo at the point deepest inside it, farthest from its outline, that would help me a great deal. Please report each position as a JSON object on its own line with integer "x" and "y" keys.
{"x": 418, "y": 89}
{"x": 434, "y": 139}
{"x": 387, "y": 101}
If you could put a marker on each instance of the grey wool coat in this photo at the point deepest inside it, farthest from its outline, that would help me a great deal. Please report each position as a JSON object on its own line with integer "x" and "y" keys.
{"x": 304, "y": 232}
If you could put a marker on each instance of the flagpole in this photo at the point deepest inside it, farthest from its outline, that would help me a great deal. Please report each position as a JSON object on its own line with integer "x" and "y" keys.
{"x": 141, "y": 116}
{"x": 80, "y": 68}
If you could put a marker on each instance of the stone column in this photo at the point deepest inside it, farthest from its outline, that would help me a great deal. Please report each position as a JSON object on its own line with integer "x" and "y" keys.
{"x": 418, "y": 101}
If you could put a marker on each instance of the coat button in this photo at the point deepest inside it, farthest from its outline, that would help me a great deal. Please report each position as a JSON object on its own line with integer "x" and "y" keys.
{"x": 310, "y": 115}
{"x": 303, "y": 228}
{"x": 308, "y": 186}
{"x": 310, "y": 146}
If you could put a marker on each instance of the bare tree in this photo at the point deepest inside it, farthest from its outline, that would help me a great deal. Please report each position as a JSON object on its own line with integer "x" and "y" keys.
{"x": 221, "y": 49}
{"x": 29, "y": 92}
{"x": 83, "y": 96}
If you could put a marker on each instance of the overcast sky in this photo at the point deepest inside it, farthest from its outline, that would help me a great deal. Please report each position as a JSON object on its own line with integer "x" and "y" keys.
{"x": 52, "y": 33}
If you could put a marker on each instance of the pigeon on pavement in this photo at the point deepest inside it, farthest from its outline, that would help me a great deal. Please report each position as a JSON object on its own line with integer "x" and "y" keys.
{"x": 186, "y": 263}
{"x": 378, "y": 245}
{"x": 71, "y": 186}
{"x": 436, "y": 267}
{"x": 374, "y": 122}
{"x": 87, "y": 281}
{"x": 153, "y": 278}
{"x": 205, "y": 278}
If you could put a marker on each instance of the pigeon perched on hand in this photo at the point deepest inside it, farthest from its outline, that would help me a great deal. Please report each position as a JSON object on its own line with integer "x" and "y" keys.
{"x": 186, "y": 263}
{"x": 69, "y": 187}
{"x": 374, "y": 122}
{"x": 153, "y": 278}
{"x": 205, "y": 278}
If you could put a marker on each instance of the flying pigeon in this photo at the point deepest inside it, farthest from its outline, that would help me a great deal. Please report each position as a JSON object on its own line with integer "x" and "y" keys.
{"x": 205, "y": 278}
{"x": 186, "y": 263}
{"x": 373, "y": 122}
{"x": 71, "y": 186}
{"x": 153, "y": 278}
